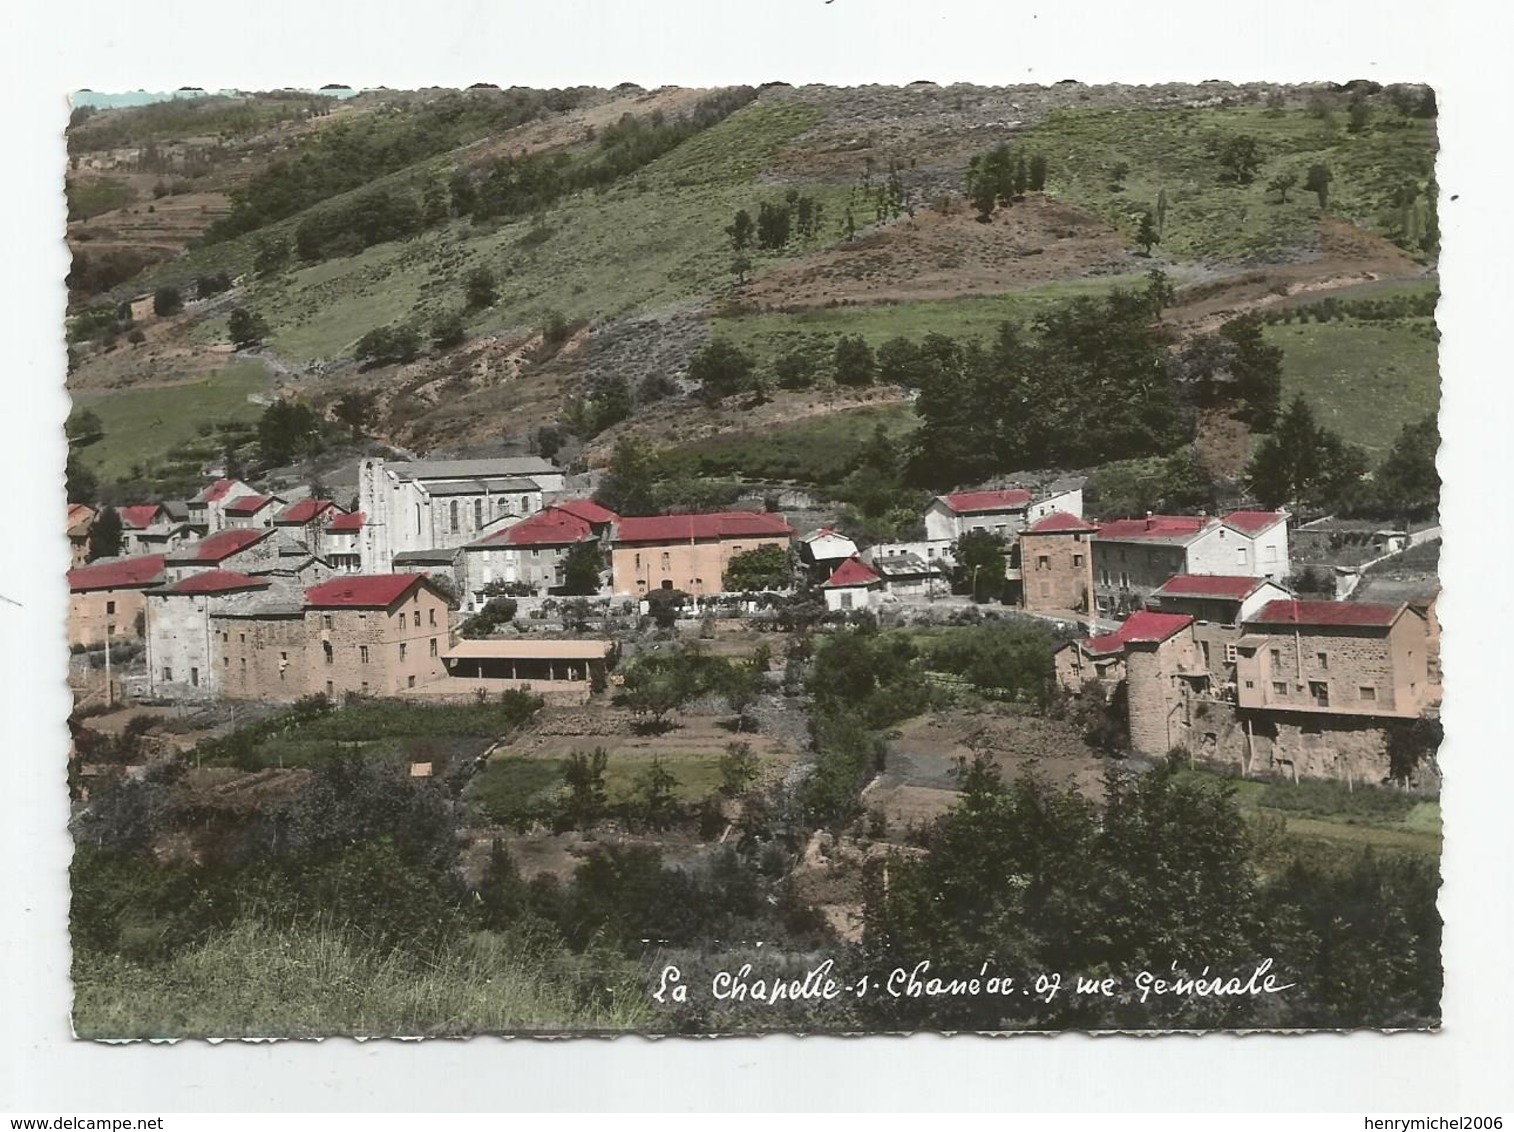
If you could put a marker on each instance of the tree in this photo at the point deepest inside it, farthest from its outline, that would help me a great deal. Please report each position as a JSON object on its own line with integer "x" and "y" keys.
{"x": 385, "y": 344}
{"x": 479, "y": 290}
{"x": 584, "y": 775}
{"x": 1317, "y": 181}
{"x": 657, "y": 795}
{"x": 721, "y": 369}
{"x": 980, "y": 564}
{"x": 898, "y": 362}
{"x": 772, "y": 226}
{"x": 854, "y": 361}
{"x": 287, "y": 429}
{"x": 629, "y": 485}
{"x": 463, "y": 193}
{"x": 1240, "y": 157}
{"x": 270, "y": 257}
{"x": 741, "y": 230}
{"x": 1037, "y": 180}
{"x": 1146, "y": 234}
{"x": 738, "y": 769}
{"x": 167, "y": 301}
{"x": 247, "y": 329}
{"x": 1359, "y": 115}
{"x": 656, "y": 685}
{"x": 214, "y": 284}
{"x": 1304, "y": 464}
{"x": 739, "y": 267}
{"x": 81, "y": 484}
{"x": 1281, "y": 185}
{"x": 765, "y": 568}
{"x": 105, "y": 535}
{"x": 83, "y": 428}
{"x": 447, "y": 331}
{"x": 582, "y": 567}
{"x": 1407, "y": 484}
{"x": 355, "y": 410}
{"x": 1159, "y": 290}
{"x": 664, "y": 607}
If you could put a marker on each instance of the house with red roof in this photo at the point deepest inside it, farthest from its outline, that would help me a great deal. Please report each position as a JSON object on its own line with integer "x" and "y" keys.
{"x": 529, "y": 556}
{"x": 689, "y": 552}
{"x": 252, "y": 512}
{"x": 180, "y": 656}
{"x": 207, "y": 509}
{"x": 1337, "y": 658}
{"x": 151, "y": 528}
{"x": 1056, "y": 563}
{"x": 1103, "y": 657}
{"x": 1003, "y": 511}
{"x": 340, "y": 543}
{"x": 107, "y": 598}
{"x": 243, "y": 549}
{"x": 1132, "y": 558}
{"x": 1225, "y": 599}
{"x": 853, "y": 585}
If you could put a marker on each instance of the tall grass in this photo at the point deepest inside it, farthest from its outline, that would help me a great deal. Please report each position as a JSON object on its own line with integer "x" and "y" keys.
{"x": 258, "y": 981}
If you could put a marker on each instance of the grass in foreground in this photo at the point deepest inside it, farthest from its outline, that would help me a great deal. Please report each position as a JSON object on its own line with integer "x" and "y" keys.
{"x": 139, "y": 423}
{"x": 257, "y": 981}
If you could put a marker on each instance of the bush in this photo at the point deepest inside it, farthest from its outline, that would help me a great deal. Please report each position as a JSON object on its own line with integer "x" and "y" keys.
{"x": 167, "y": 301}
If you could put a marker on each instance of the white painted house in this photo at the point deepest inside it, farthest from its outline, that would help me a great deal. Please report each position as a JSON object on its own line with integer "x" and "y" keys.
{"x": 825, "y": 546}
{"x": 853, "y": 586}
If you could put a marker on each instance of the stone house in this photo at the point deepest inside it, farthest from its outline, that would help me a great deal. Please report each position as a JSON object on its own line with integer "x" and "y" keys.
{"x": 688, "y": 552}
{"x": 1056, "y": 563}
{"x": 1222, "y": 598}
{"x": 376, "y": 635}
{"x": 151, "y": 528}
{"x": 81, "y": 519}
{"x": 1104, "y": 658}
{"x": 244, "y": 550}
{"x": 853, "y": 586}
{"x": 909, "y": 575}
{"x": 181, "y": 658}
{"x": 107, "y": 598}
{"x": 252, "y": 512}
{"x": 207, "y": 510}
{"x": 340, "y": 542}
{"x": 530, "y": 553}
{"x": 445, "y": 504}
{"x": 308, "y": 520}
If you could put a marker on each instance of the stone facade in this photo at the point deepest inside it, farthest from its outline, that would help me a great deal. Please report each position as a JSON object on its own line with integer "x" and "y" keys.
{"x": 1056, "y": 569}
{"x": 99, "y": 615}
{"x": 1163, "y": 678}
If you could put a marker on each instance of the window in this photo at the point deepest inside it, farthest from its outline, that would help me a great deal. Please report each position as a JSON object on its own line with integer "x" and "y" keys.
{"x": 244, "y": 669}
{"x": 243, "y": 637}
{"x": 1240, "y": 556}
{"x": 417, "y": 618}
{"x": 638, "y": 560}
{"x": 1251, "y": 683}
{"x": 1077, "y": 560}
{"x": 1367, "y": 693}
{"x": 410, "y": 681}
{"x": 1269, "y": 553}
{"x": 402, "y": 650}
{"x": 365, "y": 687}
{"x": 194, "y": 674}
{"x": 1277, "y": 658}
{"x": 168, "y": 675}
{"x": 1320, "y": 691}
{"x": 1322, "y": 659}
{"x": 1204, "y": 649}
{"x": 930, "y": 552}
{"x": 325, "y": 621}
{"x": 846, "y": 601}
{"x": 1230, "y": 657}
{"x": 433, "y": 616}
{"x": 433, "y": 646}
{"x": 326, "y": 649}
{"x": 362, "y": 654}
{"x": 1043, "y": 562}
{"x": 667, "y": 561}
{"x": 1103, "y": 577}
{"x": 417, "y": 518}
{"x": 1279, "y": 688}
{"x": 478, "y": 512}
{"x": 453, "y": 511}
{"x": 328, "y": 689}
{"x": 1124, "y": 580}
{"x": 110, "y": 608}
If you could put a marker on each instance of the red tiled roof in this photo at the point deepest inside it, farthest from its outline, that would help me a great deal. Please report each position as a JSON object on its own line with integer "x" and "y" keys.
{"x": 1341, "y": 614}
{"x": 298, "y": 514}
{"x": 139, "y": 516}
{"x": 587, "y": 510}
{"x": 1230, "y": 587}
{"x": 853, "y": 572}
{"x": 347, "y": 524}
{"x": 974, "y": 502}
{"x": 1059, "y": 522}
{"x": 552, "y": 527}
{"x": 248, "y": 504}
{"x": 1157, "y": 527}
{"x": 126, "y": 573}
{"x": 362, "y": 591}
{"x": 709, "y": 525}
{"x": 220, "y": 546}
{"x": 218, "y": 582}
{"x": 1143, "y": 627}
{"x": 1254, "y": 522}
{"x": 216, "y": 492}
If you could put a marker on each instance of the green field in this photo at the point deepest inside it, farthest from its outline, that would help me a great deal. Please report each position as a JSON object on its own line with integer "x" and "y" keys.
{"x": 765, "y": 336}
{"x": 819, "y": 451}
{"x": 514, "y": 789}
{"x": 1207, "y": 219}
{"x": 1327, "y": 821}
{"x": 1364, "y": 380}
{"x": 143, "y": 424}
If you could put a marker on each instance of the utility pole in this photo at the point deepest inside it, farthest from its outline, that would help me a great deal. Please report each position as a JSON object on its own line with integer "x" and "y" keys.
{"x": 109, "y": 698}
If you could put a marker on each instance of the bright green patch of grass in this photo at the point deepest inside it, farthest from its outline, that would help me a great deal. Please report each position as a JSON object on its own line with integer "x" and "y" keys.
{"x": 1364, "y": 380}
{"x": 819, "y": 451}
{"x": 765, "y": 336}
{"x": 1207, "y": 219}
{"x": 140, "y": 422}
{"x": 515, "y": 790}
{"x": 89, "y": 197}
{"x": 697, "y": 775}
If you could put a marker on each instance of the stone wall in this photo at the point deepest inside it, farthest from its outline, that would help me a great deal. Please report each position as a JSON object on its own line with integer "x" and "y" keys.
{"x": 1056, "y": 570}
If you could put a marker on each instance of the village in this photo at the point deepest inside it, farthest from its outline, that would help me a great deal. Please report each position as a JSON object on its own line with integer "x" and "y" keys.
{"x": 1188, "y": 621}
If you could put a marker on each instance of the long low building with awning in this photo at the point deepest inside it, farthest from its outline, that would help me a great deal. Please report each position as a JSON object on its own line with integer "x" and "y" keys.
{"x": 579, "y": 667}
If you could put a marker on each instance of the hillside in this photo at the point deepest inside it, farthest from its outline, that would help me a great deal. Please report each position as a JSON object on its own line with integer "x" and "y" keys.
{"x": 602, "y": 217}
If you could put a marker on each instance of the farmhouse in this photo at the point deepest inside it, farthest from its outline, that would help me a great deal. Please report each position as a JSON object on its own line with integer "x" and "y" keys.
{"x": 854, "y": 585}
{"x": 688, "y": 552}
{"x": 207, "y": 510}
{"x": 149, "y": 528}
{"x": 1004, "y": 512}
{"x": 253, "y": 512}
{"x": 340, "y": 542}
{"x": 1056, "y": 563}
{"x": 180, "y": 654}
{"x": 1132, "y": 558}
{"x": 107, "y": 598}
{"x": 442, "y": 504}
{"x": 1226, "y": 599}
{"x": 530, "y": 553}
{"x": 237, "y": 549}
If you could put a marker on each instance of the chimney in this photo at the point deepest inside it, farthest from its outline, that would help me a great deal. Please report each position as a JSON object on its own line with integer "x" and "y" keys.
{"x": 1150, "y": 522}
